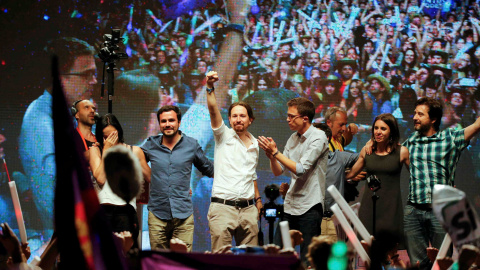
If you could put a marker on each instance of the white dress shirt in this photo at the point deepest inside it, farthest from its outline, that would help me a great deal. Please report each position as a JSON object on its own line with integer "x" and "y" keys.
{"x": 307, "y": 187}
{"x": 234, "y": 165}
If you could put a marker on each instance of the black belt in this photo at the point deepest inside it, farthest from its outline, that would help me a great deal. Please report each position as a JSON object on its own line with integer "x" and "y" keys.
{"x": 237, "y": 203}
{"x": 421, "y": 206}
{"x": 327, "y": 214}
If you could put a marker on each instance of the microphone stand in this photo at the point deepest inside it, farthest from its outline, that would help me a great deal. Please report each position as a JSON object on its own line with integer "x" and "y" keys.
{"x": 374, "y": 184}
{"x": 111, "y": 77}
{"x": 375, "y": 198}
{"x": 109, "y": 56}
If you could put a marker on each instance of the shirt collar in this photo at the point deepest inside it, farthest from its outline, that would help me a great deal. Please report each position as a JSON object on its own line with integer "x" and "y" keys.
{"x": 179, "y": 132}
{"x": 438, "y": 136}
{"x": 252, "y": 138}
{"x": 307, "y": 133}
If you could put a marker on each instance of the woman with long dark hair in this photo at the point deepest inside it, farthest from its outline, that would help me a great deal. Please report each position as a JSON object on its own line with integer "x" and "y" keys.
{"x": 121, "y": 214}
{"x": 410, "y": 59}
{"x": 326, "y": 94}
{"x": 385, "y": 163}
{"x": 357, "y": 110}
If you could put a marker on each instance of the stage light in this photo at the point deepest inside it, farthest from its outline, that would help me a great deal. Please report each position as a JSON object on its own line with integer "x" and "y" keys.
{"x": 46, "y": 17}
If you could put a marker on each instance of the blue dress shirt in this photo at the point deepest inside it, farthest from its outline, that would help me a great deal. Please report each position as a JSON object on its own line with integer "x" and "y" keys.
{"x": 171, "y": 174}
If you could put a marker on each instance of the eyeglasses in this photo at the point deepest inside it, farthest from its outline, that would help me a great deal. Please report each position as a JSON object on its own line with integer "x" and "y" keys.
{"x": 291, "y": 117}
{"x": 86, "y": 74}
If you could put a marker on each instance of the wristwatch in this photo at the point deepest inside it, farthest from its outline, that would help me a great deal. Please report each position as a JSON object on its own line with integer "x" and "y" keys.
{"x": 210, "y": 90}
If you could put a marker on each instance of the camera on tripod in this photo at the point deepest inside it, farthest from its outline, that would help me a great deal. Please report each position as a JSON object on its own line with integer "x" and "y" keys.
{"x": 271, "y": 209}
{"x": 108, "y": 53}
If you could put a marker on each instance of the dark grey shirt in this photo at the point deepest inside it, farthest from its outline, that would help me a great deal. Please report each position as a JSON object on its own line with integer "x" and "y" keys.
{"x": 337, "y": 162}
{"x": 171, "y": 173}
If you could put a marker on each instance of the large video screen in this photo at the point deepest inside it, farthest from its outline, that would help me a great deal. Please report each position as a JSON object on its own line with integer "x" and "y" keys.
{"x": 368, "y": 57}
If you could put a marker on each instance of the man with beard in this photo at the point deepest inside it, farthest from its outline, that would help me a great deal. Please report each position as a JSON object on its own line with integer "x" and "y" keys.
{"x": 433, "y": 158}
{"x": 171, "y": 154}
{"x": 235, "y": 202}
{"x": 85, "y": 112}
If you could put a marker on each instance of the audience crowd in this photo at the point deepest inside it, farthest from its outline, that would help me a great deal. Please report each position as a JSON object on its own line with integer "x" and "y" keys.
{"x": 368, "y": 57}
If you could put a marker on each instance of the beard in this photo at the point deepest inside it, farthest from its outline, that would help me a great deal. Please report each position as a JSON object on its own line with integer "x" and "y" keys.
{"x": 239, "y": 128}
{"x": 422, "y": 128}
{"x": 87, "y": 121}
{"x": 169, "y": 135}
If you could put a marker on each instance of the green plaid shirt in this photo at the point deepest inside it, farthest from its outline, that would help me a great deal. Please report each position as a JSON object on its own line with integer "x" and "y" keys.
{"x": 433, "y": 161}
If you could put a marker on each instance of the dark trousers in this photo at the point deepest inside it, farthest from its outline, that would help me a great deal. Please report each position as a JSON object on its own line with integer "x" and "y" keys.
{"x": 308, "y": 224}
{"x": 421, "y": 228}
{"x": 123, "y": 218}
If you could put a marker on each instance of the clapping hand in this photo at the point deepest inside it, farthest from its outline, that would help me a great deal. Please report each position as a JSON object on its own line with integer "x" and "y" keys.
{"x": 268, "y": 145}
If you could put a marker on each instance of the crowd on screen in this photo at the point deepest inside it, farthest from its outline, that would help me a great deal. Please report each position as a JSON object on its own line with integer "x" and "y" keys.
{"x": 368, "y": 57}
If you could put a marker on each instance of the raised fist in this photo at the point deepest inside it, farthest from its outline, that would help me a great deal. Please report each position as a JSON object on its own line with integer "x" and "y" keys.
{"x": 212, "y": 77}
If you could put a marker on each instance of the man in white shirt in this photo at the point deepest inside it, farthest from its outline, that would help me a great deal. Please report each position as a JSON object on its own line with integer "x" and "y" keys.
{"x": 305, "y": 156}
{"x": 236, "y": 202}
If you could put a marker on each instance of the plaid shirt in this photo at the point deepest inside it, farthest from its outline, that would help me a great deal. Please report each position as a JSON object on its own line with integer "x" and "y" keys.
{"x": 433, "y": 161}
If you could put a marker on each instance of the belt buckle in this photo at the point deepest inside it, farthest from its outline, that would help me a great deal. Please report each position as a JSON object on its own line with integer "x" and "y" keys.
{"x": 237, "y": 204}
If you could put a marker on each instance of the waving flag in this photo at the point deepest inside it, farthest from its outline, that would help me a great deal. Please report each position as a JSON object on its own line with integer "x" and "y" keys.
{"x": 84, "y": 237}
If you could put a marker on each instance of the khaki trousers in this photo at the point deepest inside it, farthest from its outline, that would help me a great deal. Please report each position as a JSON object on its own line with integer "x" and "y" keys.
{"x": 328, "y": 227}
{"x": 226, "y": 222}
{"x": 162, "y": 231}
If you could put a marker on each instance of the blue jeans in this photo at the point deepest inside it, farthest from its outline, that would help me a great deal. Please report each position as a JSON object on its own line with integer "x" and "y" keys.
{"x": 308, "y": 224}
{"x": 421, "y": 227}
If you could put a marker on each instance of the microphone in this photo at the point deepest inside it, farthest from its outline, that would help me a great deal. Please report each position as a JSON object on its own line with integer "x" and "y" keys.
{"x": 97, "y": 117}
